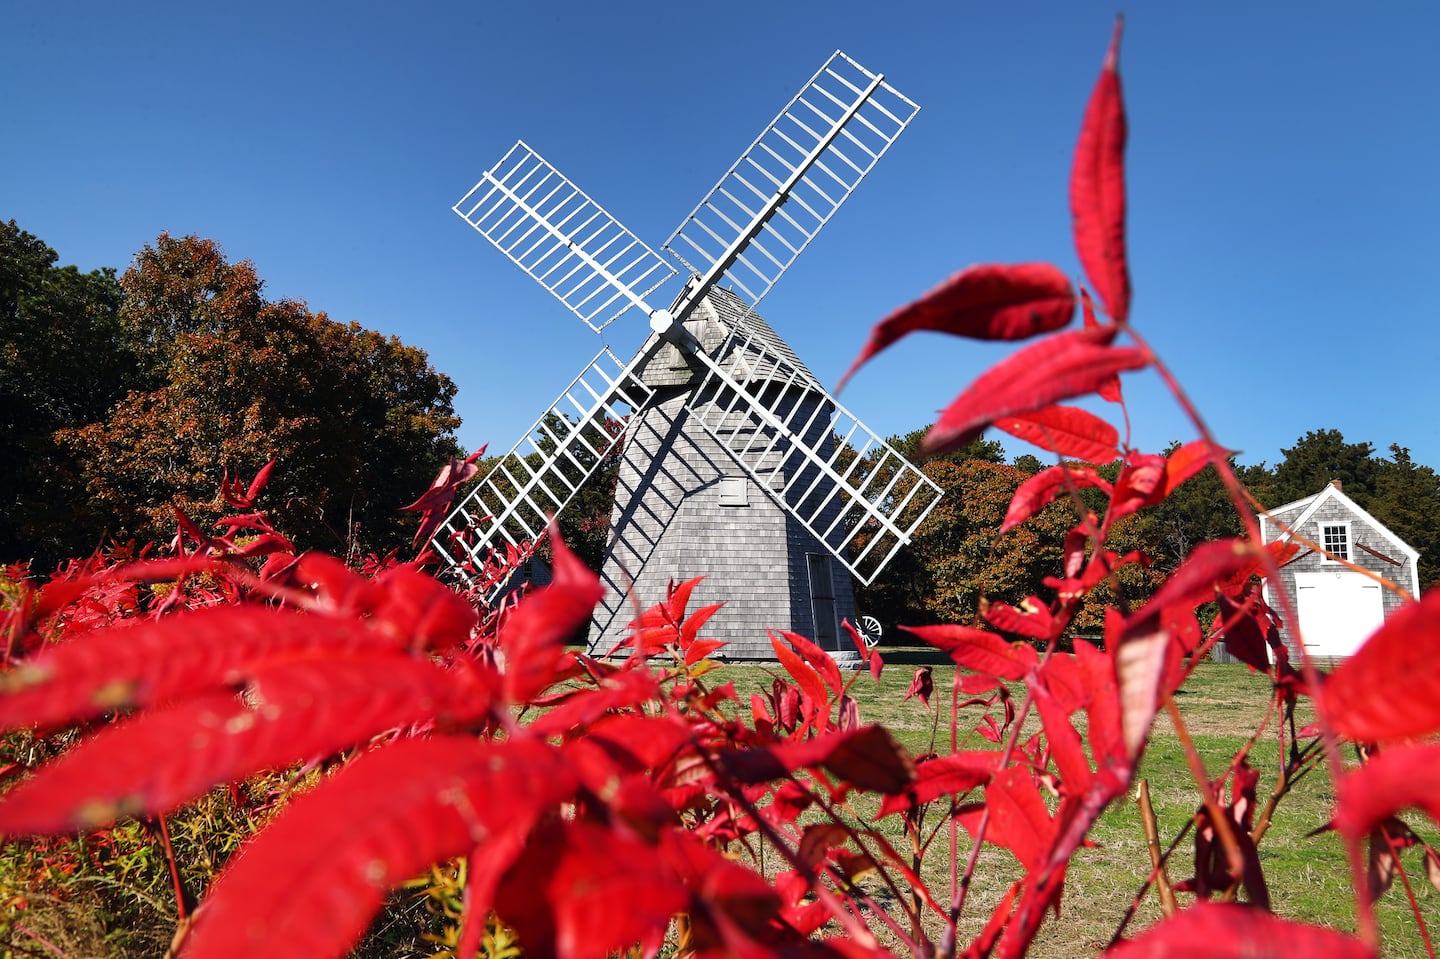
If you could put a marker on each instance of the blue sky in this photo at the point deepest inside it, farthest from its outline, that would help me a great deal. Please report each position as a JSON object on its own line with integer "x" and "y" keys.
{"x": 1283, "y": 200}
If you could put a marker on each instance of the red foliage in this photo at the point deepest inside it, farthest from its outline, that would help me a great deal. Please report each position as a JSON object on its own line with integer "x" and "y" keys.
{"x": 1097, "y": 189}
{"x": 1059, "y": 367}
{"x": 990, "y": 302}
{"x": 1066, "y": 430}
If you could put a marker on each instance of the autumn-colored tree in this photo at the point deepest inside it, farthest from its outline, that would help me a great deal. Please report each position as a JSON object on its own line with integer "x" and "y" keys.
{"x": 957, "y": 557}
{"x": 358, "y": 421}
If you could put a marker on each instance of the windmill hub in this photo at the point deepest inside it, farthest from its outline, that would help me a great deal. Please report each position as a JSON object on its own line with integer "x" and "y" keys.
{"x": 663, "y": 322}
{"x": 673, "y": 331}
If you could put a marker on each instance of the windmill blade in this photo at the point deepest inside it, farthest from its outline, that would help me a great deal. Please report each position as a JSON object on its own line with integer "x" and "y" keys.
{"x": 508, "y": 510}
{"x": 791, "y": 180}
{"x": 566, "y": 241}
{"x": 847, "y": 486}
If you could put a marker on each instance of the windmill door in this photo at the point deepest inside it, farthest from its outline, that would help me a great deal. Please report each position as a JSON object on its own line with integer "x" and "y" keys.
{"x": 1338, "y": 610}
{"x": 822, "y": 601}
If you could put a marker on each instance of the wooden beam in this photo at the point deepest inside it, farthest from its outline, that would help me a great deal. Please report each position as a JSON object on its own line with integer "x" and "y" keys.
{"x": 1379, "y": 555}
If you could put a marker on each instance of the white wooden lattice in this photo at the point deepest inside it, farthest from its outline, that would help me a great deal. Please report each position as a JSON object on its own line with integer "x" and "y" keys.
{"x": 851, "y": 489}
{"x": 540, "y": 474}
{"x": 566, "y": 241}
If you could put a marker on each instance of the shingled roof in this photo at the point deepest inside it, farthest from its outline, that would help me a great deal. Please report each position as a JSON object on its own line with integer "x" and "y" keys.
{"x": 718, "y": 313}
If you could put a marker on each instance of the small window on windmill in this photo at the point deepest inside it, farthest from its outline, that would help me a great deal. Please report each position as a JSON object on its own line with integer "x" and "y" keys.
{"x": 734, "y": 491}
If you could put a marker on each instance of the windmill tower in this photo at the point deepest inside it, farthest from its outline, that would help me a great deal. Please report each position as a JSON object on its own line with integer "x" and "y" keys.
{"x": 736, "y": 463}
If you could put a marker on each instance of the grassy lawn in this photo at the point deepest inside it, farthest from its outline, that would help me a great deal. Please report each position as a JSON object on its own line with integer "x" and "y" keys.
{"x": 1308, "y": 876}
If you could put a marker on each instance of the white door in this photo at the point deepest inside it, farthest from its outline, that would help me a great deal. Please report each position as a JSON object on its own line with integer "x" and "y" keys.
{"x": 1338, "y": 610}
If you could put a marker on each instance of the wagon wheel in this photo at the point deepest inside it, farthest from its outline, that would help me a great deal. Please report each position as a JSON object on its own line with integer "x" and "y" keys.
{"x": 871, "y": 631}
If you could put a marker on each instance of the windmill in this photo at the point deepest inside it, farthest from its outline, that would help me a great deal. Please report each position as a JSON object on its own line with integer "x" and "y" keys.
{"x": 735, "y": 462}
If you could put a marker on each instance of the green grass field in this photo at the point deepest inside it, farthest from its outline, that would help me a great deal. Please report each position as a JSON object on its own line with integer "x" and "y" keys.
{"x": 1221, "y": 705}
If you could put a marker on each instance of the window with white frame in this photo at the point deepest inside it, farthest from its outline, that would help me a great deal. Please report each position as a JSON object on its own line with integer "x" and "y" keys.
{"x": 1335, "y": 538}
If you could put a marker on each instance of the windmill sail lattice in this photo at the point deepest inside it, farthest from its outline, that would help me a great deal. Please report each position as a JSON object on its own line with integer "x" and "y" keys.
{"x": 716, "y": 402}
{"x": 550, "y": 229}
{"x": 541, "y": 473}
{"x": 845, "y": 484}
{"x": 768, "y": 207}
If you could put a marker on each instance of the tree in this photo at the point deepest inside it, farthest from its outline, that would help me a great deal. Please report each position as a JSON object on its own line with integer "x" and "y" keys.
{"x": 908, "y": 446}
{"x": 64, "y": 359}
{"x": 1319, "y": 457}
{"x": 357, "y": 420}
{"x": 955, "y": 560}
{"x": 1407, "y": 501}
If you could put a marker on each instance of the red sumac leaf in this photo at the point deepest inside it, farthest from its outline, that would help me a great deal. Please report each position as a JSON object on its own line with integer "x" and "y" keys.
{"x": 653, "y": 740}
{"x": 1056, "y": 368}
{"x": 534, "y": 632}
{"x": 1103, "y": 710}
{"x": 379, "y": 821}
{"x": 1033, "y": 619}
{"x": 987, "y": 302}
{"x": 1097, "y": 188}
{"x": 1393, "y": 779}
{"x": 1281, "y": 552}
{"x": 1140, "y": 477}
{"x": 1038, "y": 491}
{"x": 1184, "y": 463}
{"x": 817, "y": 839}
{"x": 870, "y": 758}
{"x": 420, "y": 611}
{"x": 138, "y": 663}
{"x": 922, "y": 685}
{"x": 1065, "y": 747}
{"x": 582, "y": 707}
{"x": 435, "y": 502}
{"x": 295, "y": 710}
{"x": 815, "y": 701}
{"x": 866, "y": 758}
{"x": 978, "y": 650}
{"x": 700, "y": 648}
{"x": 1245, "y": 636}
{"x": 943, "y": 776}
{"x": 608, "y": 891}
{"x": 1209, "y": 930}
{"x": 691, "y": 627}
{"x": 1390, "y": 688}
{"x": 1139, "y": 669}
{"x": 1019, "y": 820}
{"x": 1067, "y": 430}
{"x": 1196, "y": 580}
{"x": 822, "y": 662}
{"x": 679, "y": 598}
{"x": 1384, "y": 864}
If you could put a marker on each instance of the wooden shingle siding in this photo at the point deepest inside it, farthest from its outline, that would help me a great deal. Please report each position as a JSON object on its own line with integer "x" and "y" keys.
{"x": 668, "y": 523}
